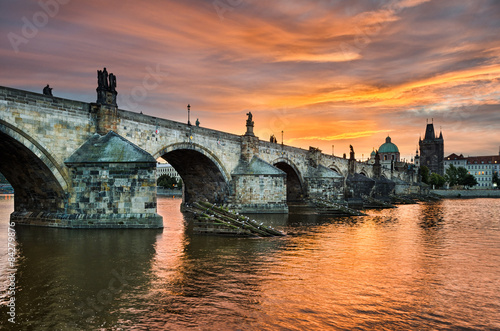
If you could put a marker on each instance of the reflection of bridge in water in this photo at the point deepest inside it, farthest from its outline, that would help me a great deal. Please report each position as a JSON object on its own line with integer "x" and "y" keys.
{"x": 77, "y": 164}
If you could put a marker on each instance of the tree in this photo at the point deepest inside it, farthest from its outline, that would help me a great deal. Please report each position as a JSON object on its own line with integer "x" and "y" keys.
{"x": 459, "y": 176}
{"x": 469, "y": 180}
{"x": 424, "y": 172}
{"x": 437, "y": 180}
{"x": 451, "y": 175}
{"x": 166, "y": 181}
{"x": 455, "y": 175}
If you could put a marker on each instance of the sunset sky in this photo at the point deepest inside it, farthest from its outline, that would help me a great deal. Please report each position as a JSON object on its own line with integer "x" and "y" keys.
{"x": 324, "y": 72}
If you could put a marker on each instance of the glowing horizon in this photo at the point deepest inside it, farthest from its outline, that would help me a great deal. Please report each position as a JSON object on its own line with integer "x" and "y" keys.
{"x": 328, "y": 74}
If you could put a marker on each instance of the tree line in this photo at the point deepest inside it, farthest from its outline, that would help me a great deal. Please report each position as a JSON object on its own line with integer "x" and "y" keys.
{"x": 169, "y": 182}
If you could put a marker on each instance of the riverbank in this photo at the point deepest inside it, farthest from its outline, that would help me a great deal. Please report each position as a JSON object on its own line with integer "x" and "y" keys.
{"x": 467, "y": 194}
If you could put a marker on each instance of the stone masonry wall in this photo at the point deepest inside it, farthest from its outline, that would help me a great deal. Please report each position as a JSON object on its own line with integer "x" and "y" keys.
{"x": 59, "y": 125}
{"x": 326, "y": 188}
{"x": 115, "y": 188}
{"x": 250, "y": 191}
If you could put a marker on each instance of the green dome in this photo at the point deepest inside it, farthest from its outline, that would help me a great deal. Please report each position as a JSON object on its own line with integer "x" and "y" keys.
{"x": 388, "y": 147}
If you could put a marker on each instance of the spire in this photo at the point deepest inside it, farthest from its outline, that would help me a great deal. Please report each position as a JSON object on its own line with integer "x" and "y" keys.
{"x": 429, "y": 132}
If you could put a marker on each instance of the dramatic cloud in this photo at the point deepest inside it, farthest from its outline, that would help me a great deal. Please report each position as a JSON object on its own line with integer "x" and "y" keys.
{"x": 323, "y": 72}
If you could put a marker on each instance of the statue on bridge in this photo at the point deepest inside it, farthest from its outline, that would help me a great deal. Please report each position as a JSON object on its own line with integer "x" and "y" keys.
{"x": 106, "y": 88}
{"x": 47, "y": 90}
{"x": 351, "y": 153}
{"x": 249, "y": 119}
{"x": 112, "y": 82}
{"x": 249, "y": 125}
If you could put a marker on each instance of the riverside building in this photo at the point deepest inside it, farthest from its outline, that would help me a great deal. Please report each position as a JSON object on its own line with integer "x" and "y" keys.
{"x": 481, "y": 167}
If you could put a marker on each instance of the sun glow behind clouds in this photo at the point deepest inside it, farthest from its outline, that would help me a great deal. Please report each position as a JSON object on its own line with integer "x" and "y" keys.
{"x": 345, "y": 72}
{"x": 343, "y": 136}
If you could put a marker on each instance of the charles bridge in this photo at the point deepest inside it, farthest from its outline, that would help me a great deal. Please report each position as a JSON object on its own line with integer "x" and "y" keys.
{"x": 76, "y": 164}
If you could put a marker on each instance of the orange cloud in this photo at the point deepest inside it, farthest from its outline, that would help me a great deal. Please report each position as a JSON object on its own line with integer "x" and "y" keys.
{"x": 342, "y": 136}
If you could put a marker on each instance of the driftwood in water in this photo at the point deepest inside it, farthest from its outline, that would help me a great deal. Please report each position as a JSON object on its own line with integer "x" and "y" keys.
{"x": 212, "y": 219}
{"x": 332, "y": 208}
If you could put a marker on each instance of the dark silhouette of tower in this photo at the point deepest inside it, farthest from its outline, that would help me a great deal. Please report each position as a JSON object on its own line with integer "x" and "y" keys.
{"x": 432, "y": 150}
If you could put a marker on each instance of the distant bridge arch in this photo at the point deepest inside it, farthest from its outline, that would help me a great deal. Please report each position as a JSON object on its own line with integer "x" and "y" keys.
{"x": 336, "y": 169}
{"x": 203, "y": 174}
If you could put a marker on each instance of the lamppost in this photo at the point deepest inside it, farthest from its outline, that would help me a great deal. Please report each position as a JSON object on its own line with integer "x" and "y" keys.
{"x": 281, "y": 137}
{"x": 189, "y": 110}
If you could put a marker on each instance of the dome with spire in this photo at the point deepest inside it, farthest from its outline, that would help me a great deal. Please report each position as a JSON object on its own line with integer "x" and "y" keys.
{"x": 388, "y": 147}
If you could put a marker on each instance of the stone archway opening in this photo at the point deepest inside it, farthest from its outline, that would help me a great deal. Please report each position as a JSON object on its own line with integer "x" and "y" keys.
{"x": 294, "y": 189}
{"x": 202, "y": 179}
{"x": 35, "y": 186}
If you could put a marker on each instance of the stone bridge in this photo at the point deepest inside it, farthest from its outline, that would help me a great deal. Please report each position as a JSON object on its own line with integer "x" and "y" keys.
{"x": 77, "y": 164}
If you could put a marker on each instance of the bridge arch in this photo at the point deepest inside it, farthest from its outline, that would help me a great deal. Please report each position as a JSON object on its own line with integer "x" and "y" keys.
{"x": 38, "y": 180}
{"x": 295, "y": 188}
{"x": 203, "y": 174}
{"x": 336, "y": 169}
{"x": 365, "y": 172}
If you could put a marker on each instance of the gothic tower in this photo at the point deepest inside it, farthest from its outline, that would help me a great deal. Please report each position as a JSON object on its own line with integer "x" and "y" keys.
{"x": 432, "y": 150}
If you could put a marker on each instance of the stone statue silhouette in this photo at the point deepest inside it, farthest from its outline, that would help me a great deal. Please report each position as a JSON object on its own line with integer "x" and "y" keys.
{"x": 112, "y": 82}
{"x": 106, "y": 88}
{"x": 105, "y": 78}
{"x": 47, "y": 90}
{"x": 100, "y": 82}
{"x": 249, "y": 119}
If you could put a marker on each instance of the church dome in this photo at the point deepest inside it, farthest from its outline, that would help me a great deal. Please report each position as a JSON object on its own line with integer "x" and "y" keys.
{"x": 388, "y": 147}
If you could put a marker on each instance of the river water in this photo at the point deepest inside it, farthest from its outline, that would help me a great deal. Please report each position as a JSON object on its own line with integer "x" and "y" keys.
{"x": 425, "y": 266}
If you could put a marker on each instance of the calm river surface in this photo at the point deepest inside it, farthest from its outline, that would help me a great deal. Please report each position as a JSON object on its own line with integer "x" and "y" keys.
{"x": 426, "y": 266}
